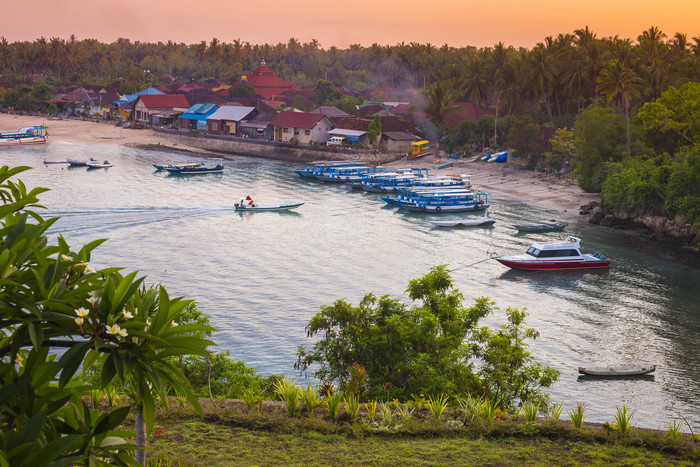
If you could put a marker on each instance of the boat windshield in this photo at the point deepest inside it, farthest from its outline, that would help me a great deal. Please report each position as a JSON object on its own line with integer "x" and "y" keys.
{"x": 532, "y": 251}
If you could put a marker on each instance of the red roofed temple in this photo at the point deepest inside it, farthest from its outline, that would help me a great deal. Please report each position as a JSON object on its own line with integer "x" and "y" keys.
{"x": 266, "y": 83}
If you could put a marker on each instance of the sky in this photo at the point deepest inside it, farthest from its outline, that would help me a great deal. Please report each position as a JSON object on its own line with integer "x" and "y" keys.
{"x": 339, "y": 23}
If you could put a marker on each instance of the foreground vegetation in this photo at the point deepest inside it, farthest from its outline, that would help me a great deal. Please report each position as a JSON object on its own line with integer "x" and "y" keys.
{"x": 230, "y": 435}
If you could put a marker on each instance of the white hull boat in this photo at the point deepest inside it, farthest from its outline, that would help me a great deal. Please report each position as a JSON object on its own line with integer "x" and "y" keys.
{"x": 486, "y": 220}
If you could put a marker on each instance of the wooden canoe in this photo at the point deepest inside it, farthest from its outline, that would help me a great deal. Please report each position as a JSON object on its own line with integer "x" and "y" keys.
{"x": 630, "y": 370}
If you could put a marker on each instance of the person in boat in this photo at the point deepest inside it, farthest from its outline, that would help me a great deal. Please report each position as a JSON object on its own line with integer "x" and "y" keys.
{"x": 246, "y": 202}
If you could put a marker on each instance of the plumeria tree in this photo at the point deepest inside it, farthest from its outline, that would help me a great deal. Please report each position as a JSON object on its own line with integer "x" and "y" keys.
{"x": 57, "y": 314}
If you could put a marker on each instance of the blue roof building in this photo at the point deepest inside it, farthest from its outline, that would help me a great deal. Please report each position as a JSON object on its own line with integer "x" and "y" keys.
{"x": 195, "y": 118}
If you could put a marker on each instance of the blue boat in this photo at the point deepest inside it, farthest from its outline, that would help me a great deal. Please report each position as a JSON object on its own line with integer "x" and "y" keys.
{"x": 25, "y": 135}
{"x": 316, "y": 168}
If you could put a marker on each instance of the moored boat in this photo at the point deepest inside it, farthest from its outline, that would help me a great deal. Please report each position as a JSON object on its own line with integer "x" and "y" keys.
{"x": 25, "y": 135}
{"x": 547, "y": 227}
{"x": 98, "y": 165}
{"x": 176, "y": 164}
{"x": 486, "y": 220}
{"x": 214, "y": 166}
{"x": 623, "y": 370}
{"x": 562, "y": 254}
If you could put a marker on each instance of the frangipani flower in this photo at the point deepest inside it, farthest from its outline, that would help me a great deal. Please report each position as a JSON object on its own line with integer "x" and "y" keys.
{"x": 89, "y": 270}
{"x": 173, "y": 324}
{"x": 113, "y": 329}
{"x": 80, "y": 321}
{"x": 93, "y": 300}
{"x": 66, "y": 258}
{"x": 82, "y": 312}
{"x": 123, "y": 333}
{"x": 128, "y": 315}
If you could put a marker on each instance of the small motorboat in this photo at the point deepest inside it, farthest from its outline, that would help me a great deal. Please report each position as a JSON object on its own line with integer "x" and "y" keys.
{"x": 486, "y": 220}
{"x": 214, "y": 166}
{"x": 547, "y": 227}
{"x": 625, "y": 370}
{"x": 176, "y": 164}
{"x": 271, "y": 207}
{"x": 55, "y": 162}
{"x": 548, "y": 256}
{"x": 98, "y": 165}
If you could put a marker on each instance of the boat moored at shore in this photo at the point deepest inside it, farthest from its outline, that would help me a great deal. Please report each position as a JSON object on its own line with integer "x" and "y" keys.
{"x": 25, "y": 135}
{"x": 562, "y": 254}
{"x": 209, "y": 167}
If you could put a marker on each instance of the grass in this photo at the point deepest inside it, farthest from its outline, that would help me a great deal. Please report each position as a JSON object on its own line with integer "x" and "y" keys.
{"x": 185, "y": 440}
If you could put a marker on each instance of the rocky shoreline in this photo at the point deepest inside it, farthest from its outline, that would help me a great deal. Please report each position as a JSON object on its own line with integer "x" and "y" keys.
{"x": 675, "y": 232}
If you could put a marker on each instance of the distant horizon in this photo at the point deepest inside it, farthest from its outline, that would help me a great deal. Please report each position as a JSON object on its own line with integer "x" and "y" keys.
{"x": 475, "y": 23}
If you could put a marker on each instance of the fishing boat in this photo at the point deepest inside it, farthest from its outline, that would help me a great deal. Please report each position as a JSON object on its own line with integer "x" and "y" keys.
{"x": 440, "y": 200}
{"x": 547, "y": 227}
{"x": 213, "y": 166}
{"x": 352, "y": 174}
{"x": 316, "y": 168}
{"x": 625, "y": 370}
{"x": 25, "y": 135}
{"x": 98, "y": 165}
{"x": 176, "y": 164}
{"x": 486, "y": 220}
{"x": 562, "y": 254}
{"x": 77, "y": 163}
{"x": 418, "y": 149}
{"x": 271, "y": 207}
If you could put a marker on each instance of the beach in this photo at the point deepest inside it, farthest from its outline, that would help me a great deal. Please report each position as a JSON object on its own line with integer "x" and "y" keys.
{"x": 559, "y": 194}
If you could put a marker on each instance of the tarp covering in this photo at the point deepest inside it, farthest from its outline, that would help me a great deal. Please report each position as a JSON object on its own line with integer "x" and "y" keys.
{"x": 347, "y": 133}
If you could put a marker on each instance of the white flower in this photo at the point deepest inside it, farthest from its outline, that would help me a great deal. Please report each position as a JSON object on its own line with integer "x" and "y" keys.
{"x": 148, "y": 321}
{"x": 80, "y": 321}
{"x": 173, "y": 324}
{"x": 123, "y": 333}
{"x": 82, "y": 312}
{"x": 89, "y": 270}
{"x": 66, "y": 258}
{"x": 128, "y": 315}
{"x": 93, "y": 300}
{"x": 113, "y": 329}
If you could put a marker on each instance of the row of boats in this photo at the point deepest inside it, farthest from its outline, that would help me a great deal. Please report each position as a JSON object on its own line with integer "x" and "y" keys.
{"x": 410, "y": 188}
{"x": 414, "y": 190}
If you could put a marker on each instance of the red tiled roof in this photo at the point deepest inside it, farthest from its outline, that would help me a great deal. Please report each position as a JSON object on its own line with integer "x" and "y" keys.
{"x": 471, "y": 112}
{"x": 267, "y": 84}
{"x": 297, "y": 119}
{"x": 164, "y": 101}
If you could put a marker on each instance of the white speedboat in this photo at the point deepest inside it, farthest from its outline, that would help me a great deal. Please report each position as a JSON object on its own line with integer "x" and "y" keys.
{"x": 562, "y": 254}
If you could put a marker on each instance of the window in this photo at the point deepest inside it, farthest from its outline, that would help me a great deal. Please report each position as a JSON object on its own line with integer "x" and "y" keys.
{"x": 307, "y": 132}
{"x": 285, "y": 130}
{"x": 215, "y": 126}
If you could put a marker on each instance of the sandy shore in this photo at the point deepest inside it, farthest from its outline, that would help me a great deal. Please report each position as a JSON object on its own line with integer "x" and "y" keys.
{"x": 561, "y": 195}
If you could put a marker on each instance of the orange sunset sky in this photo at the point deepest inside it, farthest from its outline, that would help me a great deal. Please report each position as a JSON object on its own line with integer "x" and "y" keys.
{"x": 341, "y": 23}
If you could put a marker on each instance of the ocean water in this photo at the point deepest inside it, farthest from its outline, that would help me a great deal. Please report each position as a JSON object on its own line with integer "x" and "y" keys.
{"x": 261, "y": 276}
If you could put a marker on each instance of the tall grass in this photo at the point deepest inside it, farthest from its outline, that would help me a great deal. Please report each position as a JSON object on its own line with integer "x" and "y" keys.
{"x": 674, "y": 430}
{"x": 405, "y": 412}
{"x": 530, "y": 411}
{"x": 470, "y": 405}
{"x": 309, "y": 398}
{"x": 577, "y": 415}
{"x": 489, "y": 407}
{"x": 251, "y": 398}
{"x": 437, "y": 405}
{"x": 333, "y": 399}
{"x": 623, "y": 417}
{"x": 554, "y": 412}
{"x": 371, "y": 408}
{"x": 288, "y": 392}
{"x": 352, "y": 405}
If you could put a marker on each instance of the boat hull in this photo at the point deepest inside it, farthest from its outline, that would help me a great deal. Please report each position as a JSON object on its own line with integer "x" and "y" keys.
{"x": 554, "y": 265}
{"x": 446, "y": 208}
{"x": 617, "y": 371}
{"x": 540, "y": 228}
{"x": 277, "y": 207}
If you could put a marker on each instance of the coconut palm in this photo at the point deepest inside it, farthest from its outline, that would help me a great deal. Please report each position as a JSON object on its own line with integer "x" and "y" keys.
{"x": 619, "y": 83}
{"x": 440, "y": 97}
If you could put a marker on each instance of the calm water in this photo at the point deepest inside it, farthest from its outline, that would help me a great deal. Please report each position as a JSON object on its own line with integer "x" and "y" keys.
{"x": 262, "y": 276}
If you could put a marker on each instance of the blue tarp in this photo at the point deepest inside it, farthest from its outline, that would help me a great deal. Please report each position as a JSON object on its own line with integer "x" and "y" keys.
{"x": 352, "y": 138}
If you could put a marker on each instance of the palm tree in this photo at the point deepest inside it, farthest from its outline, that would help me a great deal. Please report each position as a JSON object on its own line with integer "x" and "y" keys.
{"x": 618, "y": 83}
{"x": 476, "y": 80}
{"x": 541, "y": 75}
{"x": 440, "y": 97}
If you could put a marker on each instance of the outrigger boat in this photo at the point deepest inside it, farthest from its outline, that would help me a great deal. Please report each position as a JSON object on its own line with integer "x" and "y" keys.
{"x": 350, "y": 174}
{"x": 546, "y": 256}
{"x": 316, "y": 168}
{"x": 627, "y": 370}
{"x": 439, "y": 200}
{"x": 25, "y": 135}
{"x": 418, "y": 149}
{"x": 215, "y": 166}
{"x": 272, "y": 207}
{"x": 486, "y": 220}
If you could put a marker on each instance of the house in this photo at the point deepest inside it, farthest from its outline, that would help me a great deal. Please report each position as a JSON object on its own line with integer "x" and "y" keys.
{"x": 258, "y": 126}
{"x": 397, "y": 141}
{"x": 301, "y": 126}
{"x": 225, "y": 120}
{"x": 266, "y": 83}
{"x": 330, "y": 111}
{"x": 396, "y": 133}
{"x": 149, "y": 104}
{"x": 195, "y": 118}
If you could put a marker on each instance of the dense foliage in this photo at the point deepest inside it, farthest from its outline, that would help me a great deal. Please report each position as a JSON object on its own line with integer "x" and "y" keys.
{"x": 436, "y": 348}
{"x": 58, "y": 315}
